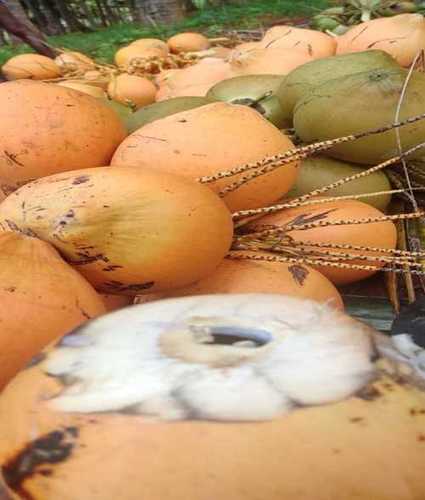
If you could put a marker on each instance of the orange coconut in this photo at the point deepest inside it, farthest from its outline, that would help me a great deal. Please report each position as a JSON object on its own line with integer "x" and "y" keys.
{"x": 82, "y": 87}
{"x": 47, "y": 128}
{"x": 114, "y": 302}
{"x": 127, "y": 230}
{"x": 94, "y": 77}
{"x": 151, "y": 43}
{"x": 268, "y": 61}
{"x": 71, "y": 61}
{"x": 41, "y": 298}
{"x": 188, "y": 42}
{"x": 187, "y": 142}
{"x": 125, "y": 55}
{"x": 313, "y": 43}
{"x": 30, "y": 66}
{"x": 96, "y": 418}
{"x": 195, "y": 80}
{"x": 132, "y": 90}
{"x": 377, "y": 235}
{"x": 254, "y": 276}
{"x": 402, "y": 36}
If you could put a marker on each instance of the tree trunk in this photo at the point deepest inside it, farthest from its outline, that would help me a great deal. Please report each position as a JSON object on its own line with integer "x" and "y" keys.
{"x": 68, "y": 16}
{"x": 52, "y": 17}
{"x": 26, "y": 32}
{"x": 19, "y": 13}
{"x": 159, "y": 11}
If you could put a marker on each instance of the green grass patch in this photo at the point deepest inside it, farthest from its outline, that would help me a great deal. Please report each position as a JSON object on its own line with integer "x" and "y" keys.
{"x": 102, "y": 44}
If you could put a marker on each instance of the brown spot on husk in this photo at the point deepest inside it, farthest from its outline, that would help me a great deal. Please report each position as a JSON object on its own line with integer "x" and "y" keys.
{"x": 36, "y": 360}
{"x": 81, "y": 180}
{"x": 369, "y": 393}
{"x": 51, "y": 448}
{"x": 119, "y": 287}
{"x": 299, "y": 273}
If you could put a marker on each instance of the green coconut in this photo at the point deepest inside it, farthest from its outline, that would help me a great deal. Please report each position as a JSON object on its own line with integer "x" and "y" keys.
{"x": 315, "y": 73}
{"x": 256, "y": 91}
{"x": 320, "y": 171}
{"x": 124, "y": 112}
{"x": 159, "y": 110}
{"x": 359, "y": 103}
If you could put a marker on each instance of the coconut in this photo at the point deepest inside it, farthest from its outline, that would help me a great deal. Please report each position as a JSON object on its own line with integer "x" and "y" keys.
{"x": 46, "y": 129}
{"x": 256, "y": 91}
{"x": 402, "y": 36}
{"x": 311, "y": 42}
{"x": 30, "y": 66}
{"x": 127, "y": 230}
{"x": 254, "y": 276}
{"x": 195, "y": 80}
{"x": 346, "y": 102}
{"x": 81, "y": 87}
{"x": 41, "y": 299}
{"x": 125, "y": 406}
{"x": 125, "y": 55}
{"x": 340, "y": 227}
{"x": 186, "y": 143}
{"x": 312, "y": 74}
{"x": 320, "y": 171}
{"x": 150, "y": 43}
{"x": 132, "y": 90}
{"x": 71, "y": 61}
{"x": 188, "y": 42}
{"x": 114, "y": 302}
{"x": 96, "y": 78}
{"x": 162, "y": 109}
{"x": 267, "y": 61}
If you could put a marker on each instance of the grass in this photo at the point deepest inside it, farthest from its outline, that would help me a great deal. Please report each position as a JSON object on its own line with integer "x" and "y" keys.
{"x": 103, "y": 43}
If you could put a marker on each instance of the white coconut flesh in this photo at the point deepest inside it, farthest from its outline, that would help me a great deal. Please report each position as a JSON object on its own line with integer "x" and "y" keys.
{"x": 222, "y": 357}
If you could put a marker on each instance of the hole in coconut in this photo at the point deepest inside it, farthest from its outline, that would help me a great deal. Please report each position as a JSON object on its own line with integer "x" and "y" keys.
{"x": 235, "y": 335}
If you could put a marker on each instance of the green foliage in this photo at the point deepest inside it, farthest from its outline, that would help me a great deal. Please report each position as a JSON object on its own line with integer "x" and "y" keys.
{"x": 247, "y": 14}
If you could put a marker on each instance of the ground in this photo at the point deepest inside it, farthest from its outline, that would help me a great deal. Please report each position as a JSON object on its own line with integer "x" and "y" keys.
{"x": 102, "y": 44}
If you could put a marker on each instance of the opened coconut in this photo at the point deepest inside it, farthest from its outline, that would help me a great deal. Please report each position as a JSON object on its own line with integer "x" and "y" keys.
{"x": 312, "y": 74}
{"x": 30, "y": 66}
{"x": 128, "y": 230}
{"x": 187, "y": 142}
{"x": 319, "y": 171}
{"x": 47, "y": 128}
{"x": 255, "y": 91}
{"x": 207, "y": 397}
{"x": 346, "y": 103}
{"x": 41, "y": 299}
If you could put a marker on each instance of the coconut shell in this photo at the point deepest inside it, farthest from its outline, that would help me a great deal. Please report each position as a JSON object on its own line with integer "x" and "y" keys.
{"x": 319, "y": 171}
{"x": 253, "y": 276}
{"x": 346, "y": 104}
{"x": 313, "y": 74}
{"x": 372, "y": 235}
{"x": 46, "y": 129}
{"x": 186, "y": 143}
{"x": 256, "y": 91}
{"x": 41, "y": 298}
{"x": 127, "y": 230}
{"x": 94, "y": 419}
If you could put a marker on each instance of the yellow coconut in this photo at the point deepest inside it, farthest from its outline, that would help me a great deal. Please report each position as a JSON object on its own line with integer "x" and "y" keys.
{"x": 188, "y": 42}
{"x": 151, "y": 43}
{"x": 186, "y": 143}
{"x": 132, "y": 90}
{"x": 81, "y": 87}
{"x": 30, "y": 66}
{"x": 125, "y": 55}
